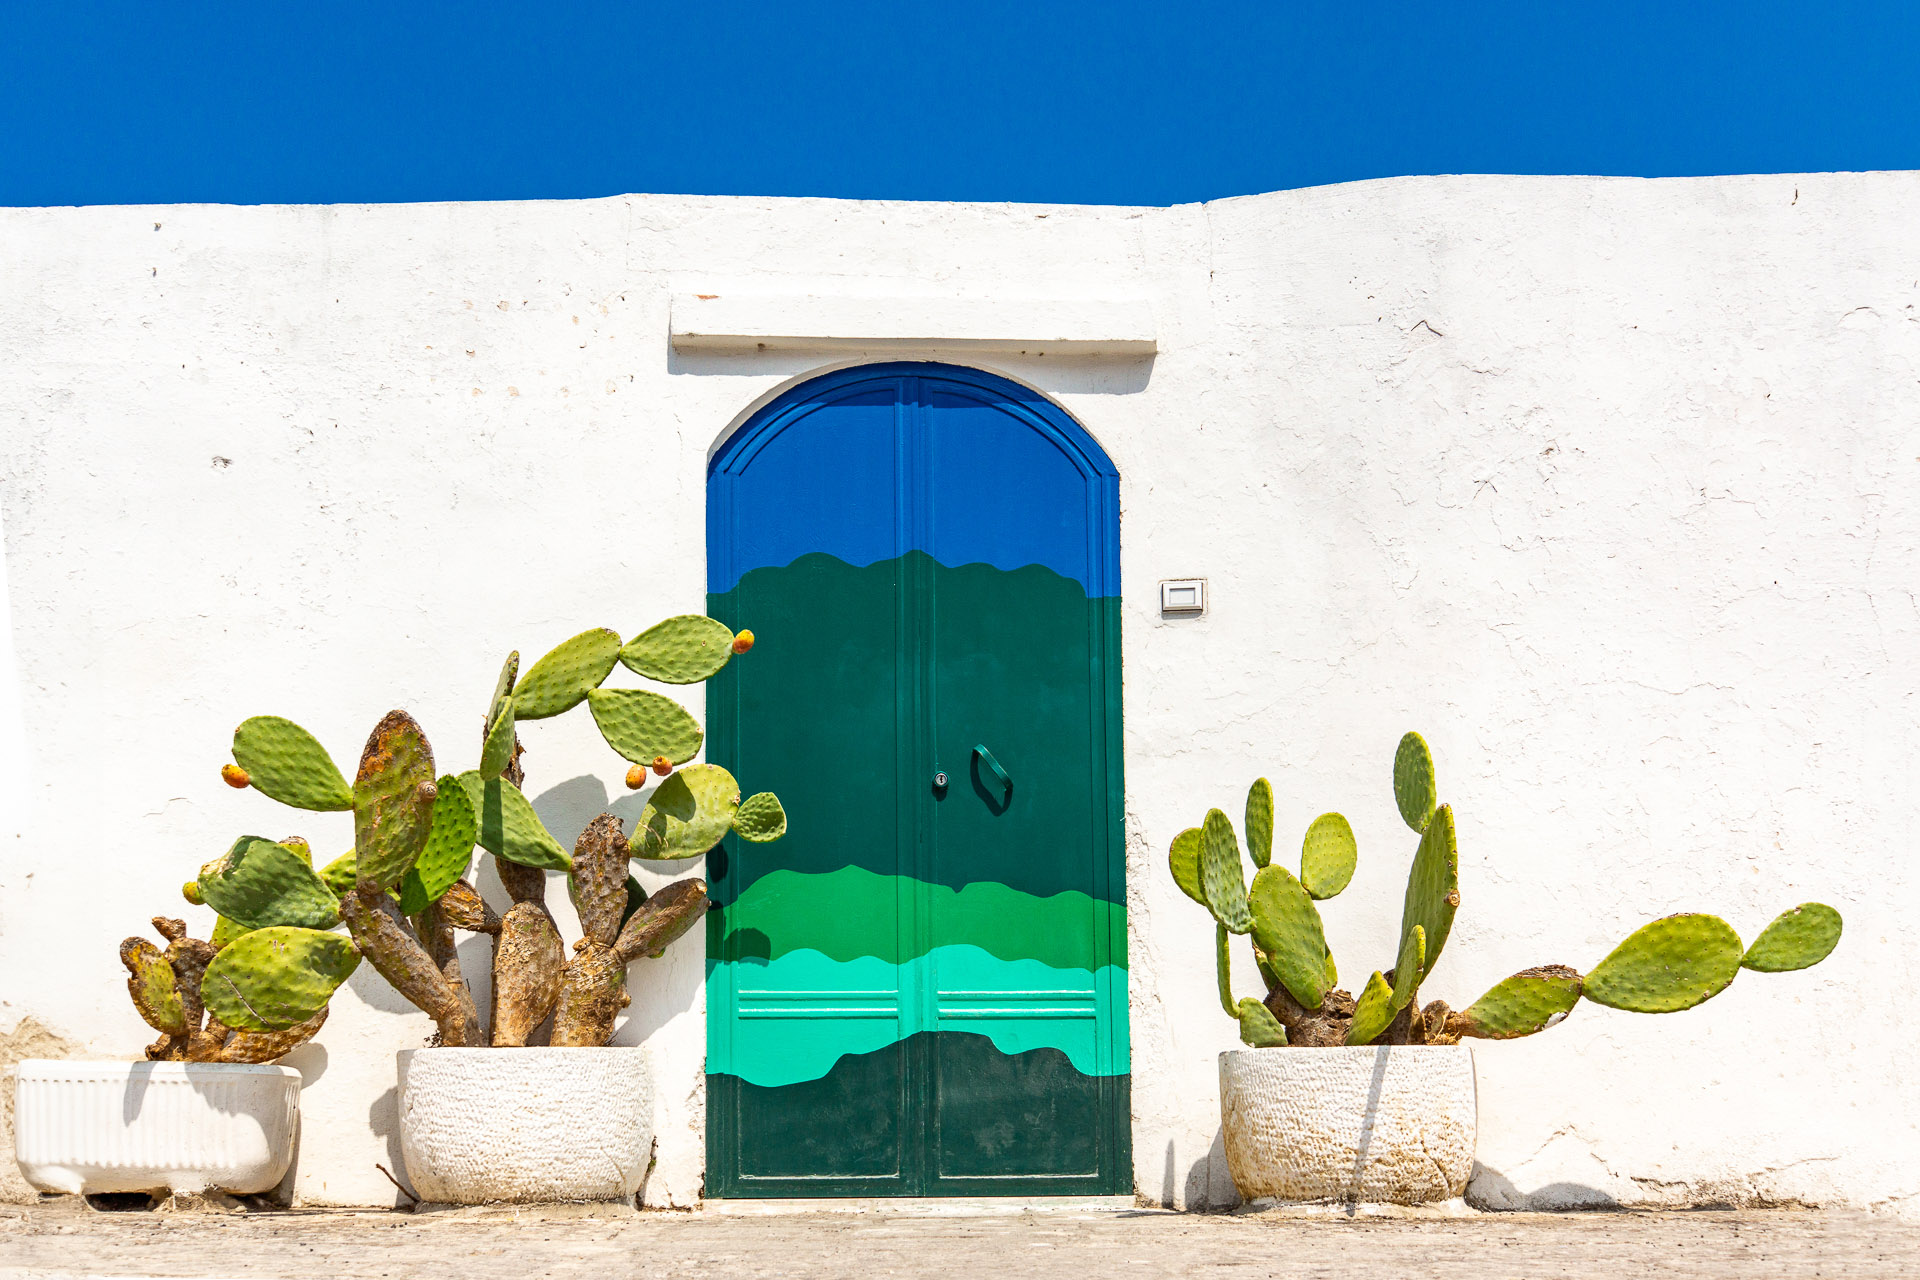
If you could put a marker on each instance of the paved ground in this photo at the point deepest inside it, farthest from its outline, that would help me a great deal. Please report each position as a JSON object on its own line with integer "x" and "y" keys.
{"x": 64, "y": 1239}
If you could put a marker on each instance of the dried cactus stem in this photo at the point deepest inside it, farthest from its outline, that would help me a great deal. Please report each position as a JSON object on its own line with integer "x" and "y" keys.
{"x": 436, "y": 935}
{"x": 382, "y": 935}
{"x": 265, "y": 1046}
{"x": 592, "y": 993}
{"x": 528, "y": 961}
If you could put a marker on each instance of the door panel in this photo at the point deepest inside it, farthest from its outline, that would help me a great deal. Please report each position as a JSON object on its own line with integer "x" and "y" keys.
{"x": 920, "y": 990}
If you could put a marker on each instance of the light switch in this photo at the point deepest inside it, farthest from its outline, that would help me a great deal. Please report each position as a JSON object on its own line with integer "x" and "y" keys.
{"x": 1187, "y": 595}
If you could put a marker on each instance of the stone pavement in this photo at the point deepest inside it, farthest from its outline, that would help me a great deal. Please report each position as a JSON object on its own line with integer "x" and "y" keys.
{"x": 60, "y": 1239}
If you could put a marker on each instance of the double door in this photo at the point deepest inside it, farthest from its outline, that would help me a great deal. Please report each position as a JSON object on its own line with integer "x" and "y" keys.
{"x": 921, "y": 990}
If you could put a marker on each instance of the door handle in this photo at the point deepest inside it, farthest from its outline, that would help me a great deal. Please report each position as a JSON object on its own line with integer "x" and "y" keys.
{"x": 985, "y": 757}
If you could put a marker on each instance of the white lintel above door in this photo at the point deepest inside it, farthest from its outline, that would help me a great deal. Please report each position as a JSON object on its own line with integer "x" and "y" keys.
{"x": 728, "y": 321}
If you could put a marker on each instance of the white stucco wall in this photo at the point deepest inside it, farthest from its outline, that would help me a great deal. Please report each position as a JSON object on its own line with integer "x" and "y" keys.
{"x": 1608, "y": 486}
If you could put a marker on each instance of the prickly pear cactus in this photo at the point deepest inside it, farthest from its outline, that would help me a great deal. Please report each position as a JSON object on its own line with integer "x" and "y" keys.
{"x": 1669, "y": 965}
{"x": 642, "y": 725}
{"x": 1433, "y": 886}
{"x": 562, "y": 679}
{"x": 1260, "y": 822}
{"x": 1183, "y": 860}
{"x": 1372, "y": 1012}
{"x": 1414, "y": 791}
{"x": 258, "y": 883}
{"x": 508, "y": 827}
{"x": 689, "y": 813}
{"x": 393, "y": 798}
{"x": 1528, "y": 1002}
{"x": 1258, "y": 1027}
{"x": 762, "y": 819}
{"x": 1797, "y": 939}
{"x": 1328, "y": 856}
{"x": 1222, "y": 878}
{"x": 1286, "y": 928}
{"x": 273, "y": 979}
{"x": 682, "y": 650}
{"x": 287, "y": 763}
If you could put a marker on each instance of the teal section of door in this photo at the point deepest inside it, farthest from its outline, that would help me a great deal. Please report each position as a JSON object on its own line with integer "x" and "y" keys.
{"x": 922, "y": 989}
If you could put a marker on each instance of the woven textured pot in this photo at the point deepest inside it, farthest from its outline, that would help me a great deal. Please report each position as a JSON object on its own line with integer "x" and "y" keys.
{"x": 484, "y": 1126}
{"x": 154, "y": 1126}
{"x": 1386, "y": 1125}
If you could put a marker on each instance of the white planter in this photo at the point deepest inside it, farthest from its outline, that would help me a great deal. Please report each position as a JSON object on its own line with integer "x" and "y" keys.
{"x": 1384, "y": 1125}
{"x": 154, "y": 1126}
{"x": 481, "y": 1126}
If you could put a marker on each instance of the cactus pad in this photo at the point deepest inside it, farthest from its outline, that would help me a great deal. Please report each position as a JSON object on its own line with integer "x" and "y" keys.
{"x": 1531, "y": 1000}
{"x": 1286, "y": 926}
{"x": 287, "y": 763}
{"x": 508, "y": 826}
{"x": 1666, "y": 966}
{"x": 450, "y": 840}
{"x": 340, "y": 874}
{"x": 761, "y": 818}
{"x": 1260, "y": 822}
{"x": 1373, "y": 1012}
{"x": 528, "y": 962}
{"x": 496, "y": 749}
{"x": 1222, "y": 879}
{"x": 1798, "y": 939}
{"x": 1258, "y": 1027}
{"x": 258, "y": 883}
{"x": 1183, "y": 859}
{"x": 150, "y": 983}
{"x": 503, "y": 687}
{"x": 1414, "y": 790}
{"x": 1433, "y": 885}
{"x": 1408, "y": 968}
{"x": 225, "y": 931}
{"x": 563, "y": 678}
{"x": 682, "y": 650}
{"x": 1328, "y": 855}
{"x": 393, "y": 795}
{"x": 642, "y": 725}
{"x": 272, "y": 979}
{"x": 688, "y": 814}
{"x": 1223, "y": 968}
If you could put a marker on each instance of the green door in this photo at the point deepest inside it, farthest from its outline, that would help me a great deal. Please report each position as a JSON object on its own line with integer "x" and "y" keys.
{"x": 922, "y": 989}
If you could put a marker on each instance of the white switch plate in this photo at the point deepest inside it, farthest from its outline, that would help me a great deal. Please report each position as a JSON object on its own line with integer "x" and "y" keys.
{"x": 1184, "y": 595}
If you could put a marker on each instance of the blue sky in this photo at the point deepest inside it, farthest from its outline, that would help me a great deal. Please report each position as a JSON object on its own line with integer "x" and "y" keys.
{"x": 346, "y": 101}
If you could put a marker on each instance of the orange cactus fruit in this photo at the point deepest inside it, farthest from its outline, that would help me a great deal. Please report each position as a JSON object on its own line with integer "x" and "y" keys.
{"x": 236, "y": 776}
{"x": 743, "y": 642}
{"x": 191, "y": 892}
{"x": 636, "y": 777}
{"x": 662, "y": 766}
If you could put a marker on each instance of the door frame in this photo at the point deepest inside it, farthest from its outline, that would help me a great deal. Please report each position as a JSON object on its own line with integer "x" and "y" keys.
{"x": 774, "y": 413}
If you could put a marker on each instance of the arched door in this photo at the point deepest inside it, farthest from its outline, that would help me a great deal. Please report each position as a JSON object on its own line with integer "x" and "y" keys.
{"x": 922, "y": 989}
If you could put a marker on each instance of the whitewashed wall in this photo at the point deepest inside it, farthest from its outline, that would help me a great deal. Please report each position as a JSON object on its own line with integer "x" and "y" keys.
{"x": 1608, "y": 486}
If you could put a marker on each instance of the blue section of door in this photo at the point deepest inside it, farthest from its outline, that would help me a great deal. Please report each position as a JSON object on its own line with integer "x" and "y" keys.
{"x": 992, "y": 458}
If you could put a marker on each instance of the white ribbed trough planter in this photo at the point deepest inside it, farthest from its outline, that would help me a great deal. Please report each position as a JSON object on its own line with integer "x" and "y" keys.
{"x": 527, "y": 1126}
{"x": 154, "y": 1126}
{"x": 1375, "y": 1125}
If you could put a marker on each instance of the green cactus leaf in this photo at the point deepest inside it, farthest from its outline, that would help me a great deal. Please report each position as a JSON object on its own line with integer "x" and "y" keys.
{"x": 1414, "y": 790}
{"x": 450, "y": 840}
{"x": 1183, "y": 860}
{"x": 1268, "y": 974}
{"x": 508, "y": 826}
{"x": 1333, "y": 970}
{"x": 1222, "y": 878}
{"x": 682, "y": 650}
{"x": 340, "y": 874}
{"x": 225, "y": 931}
{"x": 562, "y": 679}
{"x": 150, "y": 983}
{"x": 761, "y": 818}
{"x": 1666, "y": 966}
{"x": 393, "y": 796}
{"x": 1258, "y": 1027}
{"x": 1223, "y": 968}
{"x": 271, "y": 979}
{"x": 1373, "y": 1012}
{"x": 496, "y": 749}
{"x": 1530, "y": 1001}
{"x": 1260, "y": 822}
{"x": 1798, "y": 939}
{"x": 259, "y": 883}
{"x": 636, "y": 895}
{"x": 1406, "y": 969}
{"x": 1433, "y": 886}
{"x": 503, "y": 687}
{"x": 1286, "y": 926}
{"x": 289, "y": 764}
{"x": 1328, "y": 855}
{"x": 642, "y": 725}
{"x": 687, "y": 814}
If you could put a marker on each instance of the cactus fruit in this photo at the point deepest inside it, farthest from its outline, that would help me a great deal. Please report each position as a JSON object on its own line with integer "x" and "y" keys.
{"x": 636, "y": 777}
{"x": 682, "y": 650}
{"x": 645, "y": 726}
{"x": 1530, "y": 1001}
{"x": 236, "y": 777}
{"x": 761, "y": 818}
{"x": 1183, "y": 860}
{"x": 191, "y": 892}
{"x": 272, "y": 979}
{"x": 662, "y": 766}
{"x": 689, "y": 813}
{"x": 258, "y": 883}
{"x": 1222, "y": 878}
{"x": 1797, "y": 939}
{"x": 1327, "y": 856}
{"x": 1671, "y": 964}
{"x": 743, "y": 642}
{"x": 288, "y": 764}
{"x": 562, "y": 679}
{"x": 1260, "y": 822}
{"x": 1666, "y": 966}
{"x": 1286, "y": 928}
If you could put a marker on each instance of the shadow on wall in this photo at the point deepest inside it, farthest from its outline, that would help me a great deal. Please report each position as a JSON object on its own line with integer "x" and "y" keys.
{"x": 1492, "y": 1190}
{"x": 1117, "y": 375}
